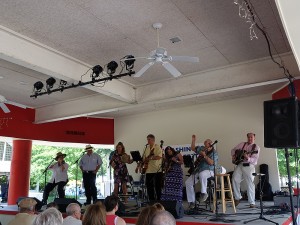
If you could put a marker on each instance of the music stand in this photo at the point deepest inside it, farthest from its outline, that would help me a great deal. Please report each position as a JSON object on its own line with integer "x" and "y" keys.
{"x": 136, "y": 156}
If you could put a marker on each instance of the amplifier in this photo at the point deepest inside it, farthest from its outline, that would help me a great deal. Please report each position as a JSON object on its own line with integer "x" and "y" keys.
{"x": 279, "y": 200}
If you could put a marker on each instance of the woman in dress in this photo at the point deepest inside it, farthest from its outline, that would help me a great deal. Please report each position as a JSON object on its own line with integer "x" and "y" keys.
{"x": 118, "y": 163}
{"x": 173, "y": 183}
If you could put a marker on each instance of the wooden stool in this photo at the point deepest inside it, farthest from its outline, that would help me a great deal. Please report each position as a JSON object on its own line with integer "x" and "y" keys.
{"x": 223, "y": 189}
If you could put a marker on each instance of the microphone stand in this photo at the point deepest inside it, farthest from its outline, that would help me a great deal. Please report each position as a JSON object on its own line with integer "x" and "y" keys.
{"x": 76, "y": 177}
{"x": 261, "y": 216}
{"x": 45, "y": 172}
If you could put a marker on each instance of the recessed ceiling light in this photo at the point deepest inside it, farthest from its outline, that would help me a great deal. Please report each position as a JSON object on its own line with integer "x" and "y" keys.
{"x": 175, "y": 39}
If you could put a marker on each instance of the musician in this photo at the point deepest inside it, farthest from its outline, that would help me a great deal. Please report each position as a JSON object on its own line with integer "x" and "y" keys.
{"x": 245, "y": 168}
{"x": 118, "y": 163}
{"x": 59, "y": 177}
{"x": 89, "y": 165}
{"x": 152, "y": 157}
{"x": 173, "y": 183}
{"x": 204, "y": 170}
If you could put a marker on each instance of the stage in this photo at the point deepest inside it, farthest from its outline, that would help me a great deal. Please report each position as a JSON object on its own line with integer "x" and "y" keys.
{"x": 201, "y": 216}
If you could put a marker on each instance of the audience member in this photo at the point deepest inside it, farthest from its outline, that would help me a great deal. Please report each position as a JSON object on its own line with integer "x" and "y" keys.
{"x": 52, "y": 205}
{"x": 159, "y": 206}
{"x": 74, "y": 213}
{"x": 94, "y": 215}
{"x": 50, "y": 216}
{"x": 146, "y": 215}
{"x": 111, "y": 206}
{"x": 163, "y": 218}
{"x": 26, "y": 212}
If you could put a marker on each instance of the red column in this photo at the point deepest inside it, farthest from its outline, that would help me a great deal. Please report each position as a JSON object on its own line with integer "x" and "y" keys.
{"x": 19, "y": 170}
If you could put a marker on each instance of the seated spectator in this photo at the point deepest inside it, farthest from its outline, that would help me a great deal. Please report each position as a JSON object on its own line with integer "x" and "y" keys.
{"x": 111, "y": 206}
{"x": 74, "y": 213}
{"x": 159, "y": 206}
{"x": 146, "y": 215}
{"x": 94, "y": 215}
{"x": 52, "y": 204}
{"x": 26, "y": 212}
{"x": 163, "y": 218}
{"x": 50, "y": 216}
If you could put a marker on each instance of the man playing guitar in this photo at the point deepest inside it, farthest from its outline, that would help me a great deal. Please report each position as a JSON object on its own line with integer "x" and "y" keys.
{"x": 245, "y": 168}
{"x": 204, "y": 170}
{"x": 152, "y": 157}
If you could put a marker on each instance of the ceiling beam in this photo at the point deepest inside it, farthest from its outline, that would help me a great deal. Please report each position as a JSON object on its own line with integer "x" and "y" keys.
{"x": 28, "y": 53}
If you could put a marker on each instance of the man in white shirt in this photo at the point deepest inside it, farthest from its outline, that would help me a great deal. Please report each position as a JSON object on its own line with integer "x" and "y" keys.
{"x": 59, "y": 177}
{"x": 74, "y": 213}
{"x": 26, "y": 212}
{"x": 89, "y": 165}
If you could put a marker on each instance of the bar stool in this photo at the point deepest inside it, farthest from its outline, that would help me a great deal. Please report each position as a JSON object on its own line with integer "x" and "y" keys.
{"x": 223, "y": 190}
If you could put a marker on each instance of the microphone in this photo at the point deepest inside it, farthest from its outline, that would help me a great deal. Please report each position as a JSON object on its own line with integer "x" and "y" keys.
{"x": 258, "y": 174}
{"x": 215, "y": 142}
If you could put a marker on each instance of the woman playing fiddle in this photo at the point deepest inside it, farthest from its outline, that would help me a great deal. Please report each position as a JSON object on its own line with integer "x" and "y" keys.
{"x": 173, "y": 175}
{"x": 118, "y": 163}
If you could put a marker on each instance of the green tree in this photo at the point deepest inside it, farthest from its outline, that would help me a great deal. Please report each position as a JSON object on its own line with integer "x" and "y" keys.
{"x": 282, "y": 162}
{"x": 42, "y": 156}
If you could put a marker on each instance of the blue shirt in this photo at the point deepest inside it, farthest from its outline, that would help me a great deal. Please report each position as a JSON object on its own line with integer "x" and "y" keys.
{"x": 203, "y": 165}
{"x": 90, "y": 162}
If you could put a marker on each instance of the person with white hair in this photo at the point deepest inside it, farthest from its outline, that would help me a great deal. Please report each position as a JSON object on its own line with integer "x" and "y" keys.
{"x": 74, "y": 213}
{"x": 163, "y": 218}
{"x": 50, "y": 216}
{"x": 26, "y": 212}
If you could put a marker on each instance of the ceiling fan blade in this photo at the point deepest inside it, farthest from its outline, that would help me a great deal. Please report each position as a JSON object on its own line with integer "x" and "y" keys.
{"x": 172, "y": 70}
{"x": 4, "y": 108}
{"x": 143, "y": 70}
{"x": 16, "y": 104}
{"x": 184, "y": 58}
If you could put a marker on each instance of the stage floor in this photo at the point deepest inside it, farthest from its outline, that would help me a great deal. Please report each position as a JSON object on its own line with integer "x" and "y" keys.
{"x": 201, "y": 216}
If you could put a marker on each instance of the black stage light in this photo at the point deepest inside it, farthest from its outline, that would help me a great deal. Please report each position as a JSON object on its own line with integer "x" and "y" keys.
{"x": 111, "y": 67}
{"x": 38, "y": 86}
{"x": 62, "y": 83}
{"x": 129, "y": 62}
{"x": 50, "y": 82}
{"x": 96, "y": 71}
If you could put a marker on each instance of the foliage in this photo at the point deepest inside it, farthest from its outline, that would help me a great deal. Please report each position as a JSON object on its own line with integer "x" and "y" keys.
{"x": 42, "y": 156}
{"x": 282, "y": 162}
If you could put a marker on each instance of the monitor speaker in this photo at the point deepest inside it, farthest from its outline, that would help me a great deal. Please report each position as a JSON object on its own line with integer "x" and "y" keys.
{"x": 281, "y": 123}
{"x": 173, "y": 207}
{"x": 38, "y": 206}
{"x": 62, "y": 203}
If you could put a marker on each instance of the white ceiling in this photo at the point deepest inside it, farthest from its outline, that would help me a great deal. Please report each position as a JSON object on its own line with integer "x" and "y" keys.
{"x": 63, "y": 38}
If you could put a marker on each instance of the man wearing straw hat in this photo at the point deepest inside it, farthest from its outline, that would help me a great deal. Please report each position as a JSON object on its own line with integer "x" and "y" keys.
{"x": 59, "y": 177}
{"x": 89, "y": 165}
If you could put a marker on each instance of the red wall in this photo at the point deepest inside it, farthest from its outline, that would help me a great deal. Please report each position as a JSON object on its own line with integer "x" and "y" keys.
{"x": 284, "y": 93}
{"x": 19, "y": 123}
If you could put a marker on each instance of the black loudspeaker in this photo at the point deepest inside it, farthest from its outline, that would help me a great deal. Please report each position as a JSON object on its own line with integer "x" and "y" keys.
{"x": 173, "y": 207}
{"x": 64, "y": 202}
{"x": 281, "y": 123}
{"x": 38, "y": 206}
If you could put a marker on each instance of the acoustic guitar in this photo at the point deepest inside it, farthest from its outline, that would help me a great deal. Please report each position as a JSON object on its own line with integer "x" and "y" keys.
{"x": 239, "y": 155}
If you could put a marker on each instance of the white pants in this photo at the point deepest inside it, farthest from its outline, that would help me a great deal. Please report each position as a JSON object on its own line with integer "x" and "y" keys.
{"x": 193, "y": 179}
{"x": 244, "y": 173}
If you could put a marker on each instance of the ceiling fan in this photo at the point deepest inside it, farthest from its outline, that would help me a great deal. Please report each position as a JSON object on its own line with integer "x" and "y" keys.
{"x": 4, "y": 101}
{"x": 159, "y": 55}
